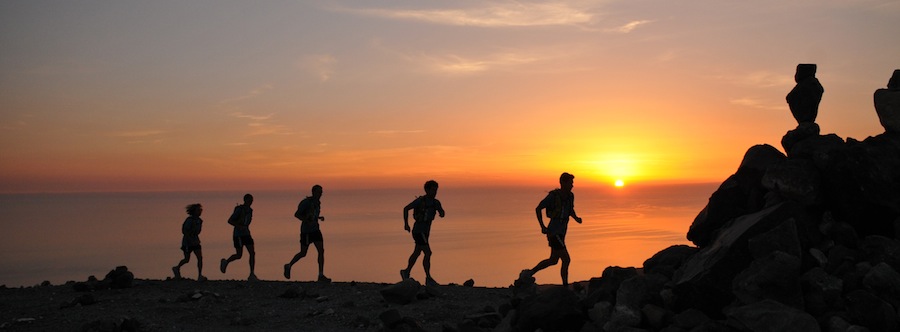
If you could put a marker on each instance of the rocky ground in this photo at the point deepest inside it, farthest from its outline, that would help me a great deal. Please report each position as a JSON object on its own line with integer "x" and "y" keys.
{"x": 187, "y": 305}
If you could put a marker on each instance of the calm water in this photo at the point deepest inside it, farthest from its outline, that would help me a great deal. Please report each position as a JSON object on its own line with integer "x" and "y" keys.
{"x": 488, "y": 234}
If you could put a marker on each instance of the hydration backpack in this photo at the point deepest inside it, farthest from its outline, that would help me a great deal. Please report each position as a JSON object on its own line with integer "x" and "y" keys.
{"x": 237, "y": 217}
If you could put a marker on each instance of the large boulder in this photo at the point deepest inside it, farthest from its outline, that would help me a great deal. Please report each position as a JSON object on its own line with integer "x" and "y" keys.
{"x": 803, "y": 132}
{"x": 740, "y": 194}
{"x": 704, "y": 281}
{"x": 640, "y": 290}
{"x": 605, "y": 287}
{"x": 668, "y": 260}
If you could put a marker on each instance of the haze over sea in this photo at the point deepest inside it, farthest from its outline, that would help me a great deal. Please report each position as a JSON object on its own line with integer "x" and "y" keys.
{"x": 489, "y": 234}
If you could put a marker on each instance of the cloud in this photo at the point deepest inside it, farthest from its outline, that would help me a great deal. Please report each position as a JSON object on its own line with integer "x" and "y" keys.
{"x": 264, "y": 129}
{"x": 318, "y": 65}
{"x": 766, "y": 79}
{"x": 756, "y": 103}
{"x": 256, "y": 92}
{"x": 628, "y": 27}
{"x": 137, "y": 133}
{"x": 262, "y": 125}
{"x": 498, "y": 14}
{"x": 140, "y": 136}
{"x": 396, "y": 132}
{"x": 253, "y": 117}
{"x": 456, "y": 64}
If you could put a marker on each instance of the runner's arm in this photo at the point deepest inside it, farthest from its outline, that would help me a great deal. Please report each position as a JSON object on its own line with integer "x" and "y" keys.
{"x": 406, "y": 209}
{"x": 540, "y": 216}
{"x": 575, "y": 216}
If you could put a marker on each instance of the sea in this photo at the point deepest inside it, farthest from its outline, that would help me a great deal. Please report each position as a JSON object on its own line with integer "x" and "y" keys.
{"x": 488, "y": 234}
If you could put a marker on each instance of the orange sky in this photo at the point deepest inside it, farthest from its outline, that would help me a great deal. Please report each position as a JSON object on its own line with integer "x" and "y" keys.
{"x": 231, "y": 95}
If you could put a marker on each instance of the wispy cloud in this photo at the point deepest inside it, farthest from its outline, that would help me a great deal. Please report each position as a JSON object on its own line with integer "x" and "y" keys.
{"x": 628, "y": 27}
{"x": 262, "y": 125}
{"x": 396, "y": 132}
{"x": 460, "y": 65}
{"x": 137, "y": 133}
{"x": 262, "y": 129}
{"x": 318, "y": 65}
{"x": 756, "y": 103}
{"x": 253, "y": 117}
{"x": 254, "y": 93}
{"x": 534, "y": 57}
{"x": 496, "y": 14}
{"x": 766, "y": 79}
{"x": 140, "y": 136}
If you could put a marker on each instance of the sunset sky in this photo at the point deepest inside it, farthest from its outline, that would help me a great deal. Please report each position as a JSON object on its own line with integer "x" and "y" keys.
{"x": 212, "y": 94}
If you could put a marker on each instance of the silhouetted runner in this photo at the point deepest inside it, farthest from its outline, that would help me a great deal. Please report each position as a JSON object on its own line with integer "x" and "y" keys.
{"x": 190, "y": 240}
{"x": 241, "y": 219}
{"x": 308, "y": 212}
{"x": 560, "y": 205}
{"x": 424, "y": 209}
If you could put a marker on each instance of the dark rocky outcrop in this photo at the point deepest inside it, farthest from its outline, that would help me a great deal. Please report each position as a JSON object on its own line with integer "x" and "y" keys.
{"x": 807, "y": 240}
{"x": 740, "y": 194}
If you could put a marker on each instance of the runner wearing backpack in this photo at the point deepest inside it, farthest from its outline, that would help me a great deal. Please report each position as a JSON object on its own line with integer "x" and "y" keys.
{"x": 241, "y": 219}
{"x": 424, "y": 209}
{"x": 560, "y": 205}
{"x": 308, "y": 211}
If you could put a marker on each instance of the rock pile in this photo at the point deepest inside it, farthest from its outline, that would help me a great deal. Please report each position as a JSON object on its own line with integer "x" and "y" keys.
{"x": 805, "y": 240}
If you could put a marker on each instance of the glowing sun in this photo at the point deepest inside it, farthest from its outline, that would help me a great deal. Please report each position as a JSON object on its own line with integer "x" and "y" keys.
{"x": 620, "y": 183}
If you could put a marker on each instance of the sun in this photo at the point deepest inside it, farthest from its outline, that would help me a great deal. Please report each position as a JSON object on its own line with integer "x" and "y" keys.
{"x": 620, "y": 183}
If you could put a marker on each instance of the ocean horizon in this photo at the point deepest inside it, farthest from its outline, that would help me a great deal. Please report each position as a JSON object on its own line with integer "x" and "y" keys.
{"x": 488, "y": 235}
